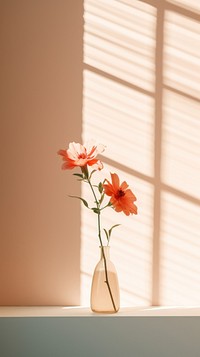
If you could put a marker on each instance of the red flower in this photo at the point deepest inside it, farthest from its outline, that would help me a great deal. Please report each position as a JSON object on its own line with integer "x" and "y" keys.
{"x": 122, "y": 198}
{"x": 82, "y": 155}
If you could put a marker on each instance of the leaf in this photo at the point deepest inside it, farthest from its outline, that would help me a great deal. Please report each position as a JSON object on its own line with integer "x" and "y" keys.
{"x": 110, "y": 230}
{"x": 79, "y": 175}
{"x": 101, "y": 199}
{"x": 91, "y": 174}
{"x": 84, "y": 201}
{"x": 95, "y": 210}
{"x": 100, "y": 187}
{"x": 107, "y": 236}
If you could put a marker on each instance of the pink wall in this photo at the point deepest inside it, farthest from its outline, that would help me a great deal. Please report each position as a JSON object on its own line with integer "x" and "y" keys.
{"x": 41, "y": 91}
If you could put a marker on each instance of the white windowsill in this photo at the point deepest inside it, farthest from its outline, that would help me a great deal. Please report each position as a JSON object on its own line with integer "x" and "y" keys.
{"x": 70, "y": 311}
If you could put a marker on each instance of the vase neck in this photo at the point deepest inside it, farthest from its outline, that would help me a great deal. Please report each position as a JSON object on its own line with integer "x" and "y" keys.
{"x": 106, "y": 251}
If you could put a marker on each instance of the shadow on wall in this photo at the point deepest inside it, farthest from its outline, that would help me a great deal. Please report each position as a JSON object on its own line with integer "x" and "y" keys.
{"x": 41, "y": 111}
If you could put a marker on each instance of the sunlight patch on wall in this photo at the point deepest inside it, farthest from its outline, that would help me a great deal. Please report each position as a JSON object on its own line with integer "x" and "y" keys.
{"x": 117, "y": 42}
{"x": 119, "y": 111}
{"x": 120, "y": 118}
{"x": 180, "y": 253}
{"x": 180, "y": 227}
{"x": 181, "y": 143}
{"x": 182, "y": 54}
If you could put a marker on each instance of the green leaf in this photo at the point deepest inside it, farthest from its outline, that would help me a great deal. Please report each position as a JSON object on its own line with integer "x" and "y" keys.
{"x": 79, "y": 175}
{"x": 101, "y": 199}
{"x": 91, "y": 174}
{"x": 110, "y": 230}
{"x": 95, "y": 210}
{"x": 107, "y": 236}
{"x": 84, "y": 201}
{"x": 100, "y": 187}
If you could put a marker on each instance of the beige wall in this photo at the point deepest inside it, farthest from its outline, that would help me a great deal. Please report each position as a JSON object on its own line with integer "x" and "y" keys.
{"x": 41, "y": 91}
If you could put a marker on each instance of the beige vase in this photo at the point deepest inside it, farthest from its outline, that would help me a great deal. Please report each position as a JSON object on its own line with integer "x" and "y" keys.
{"x": 105, "y": 296}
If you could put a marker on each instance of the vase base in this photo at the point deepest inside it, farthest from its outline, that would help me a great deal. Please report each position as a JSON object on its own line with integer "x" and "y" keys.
{"x": 105, "y": 312}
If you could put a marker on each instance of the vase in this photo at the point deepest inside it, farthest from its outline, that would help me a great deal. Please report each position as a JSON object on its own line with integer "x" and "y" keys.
{"x": 105, "y": 296}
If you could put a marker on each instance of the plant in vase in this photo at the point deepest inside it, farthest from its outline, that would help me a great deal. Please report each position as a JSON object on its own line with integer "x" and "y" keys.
{"x": 105, "y": 289}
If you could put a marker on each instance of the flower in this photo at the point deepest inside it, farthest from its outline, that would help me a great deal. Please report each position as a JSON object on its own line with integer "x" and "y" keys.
{"x": 82, "y": 155}
{"x": 122, "y": 198}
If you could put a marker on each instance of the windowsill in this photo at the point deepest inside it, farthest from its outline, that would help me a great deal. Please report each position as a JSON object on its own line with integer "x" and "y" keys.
{"x": 80, "y": 311}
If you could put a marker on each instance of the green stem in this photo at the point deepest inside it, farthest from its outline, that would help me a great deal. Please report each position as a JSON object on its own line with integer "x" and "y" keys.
{"x": 101, "y": 243}
{"x": 105, "y": 264}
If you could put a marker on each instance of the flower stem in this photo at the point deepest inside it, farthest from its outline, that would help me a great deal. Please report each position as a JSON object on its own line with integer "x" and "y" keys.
{"x": 101, "y": 243}
{"x": 105, "y": 264}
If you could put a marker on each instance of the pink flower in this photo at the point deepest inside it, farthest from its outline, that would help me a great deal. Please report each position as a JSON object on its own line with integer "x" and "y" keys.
{"x": 82, "y": 155}
{"x": 122, "y": 198}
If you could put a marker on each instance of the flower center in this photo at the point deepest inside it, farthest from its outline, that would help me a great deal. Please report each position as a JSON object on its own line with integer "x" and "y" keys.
{"x": 82, "y": 156}
{"x": 120, "y": 193}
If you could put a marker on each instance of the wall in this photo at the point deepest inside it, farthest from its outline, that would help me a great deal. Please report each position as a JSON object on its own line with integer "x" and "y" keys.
{"x": 41, "y": 91}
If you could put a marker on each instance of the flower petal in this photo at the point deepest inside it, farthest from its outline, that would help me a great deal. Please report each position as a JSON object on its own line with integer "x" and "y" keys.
{"x": 96, "y": 164}
{"x": 93, "y": 149}
{"x": 75, "y": 149}
{"x": 115, "y": 182}
{"x": 124, "y": 186}
{"x": 108, "y": 189}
